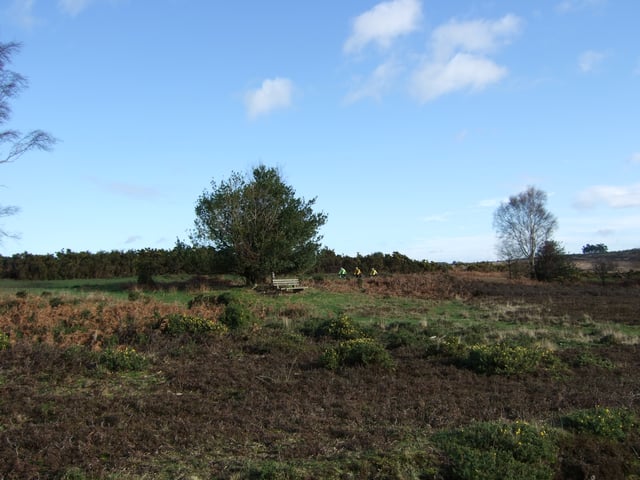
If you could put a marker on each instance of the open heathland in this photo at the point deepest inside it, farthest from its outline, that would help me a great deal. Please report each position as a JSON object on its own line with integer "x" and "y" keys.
{"x": 455, "y": 375}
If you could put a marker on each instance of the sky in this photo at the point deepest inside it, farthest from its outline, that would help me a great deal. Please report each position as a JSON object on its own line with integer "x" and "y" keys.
{"x": 408, "y": 121}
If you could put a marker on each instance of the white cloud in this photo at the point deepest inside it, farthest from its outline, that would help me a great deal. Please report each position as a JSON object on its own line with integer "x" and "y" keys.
{"x": 635, "y": 158}
{"x": 383, "y": 23}
{"x": 459, "y": 57}
{"x": 462, "y": 71}
{"x": 476, "y": 36}
{"x": 274, "y": 93}
{"x": 612, "y": 196}
{"x": 589, "y": 60}
{"x": 376, "y": 84}
{"x": 73, "y": 7}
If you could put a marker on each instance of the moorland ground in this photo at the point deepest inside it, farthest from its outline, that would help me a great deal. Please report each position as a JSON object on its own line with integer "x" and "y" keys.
{"x": 376, "y": 378}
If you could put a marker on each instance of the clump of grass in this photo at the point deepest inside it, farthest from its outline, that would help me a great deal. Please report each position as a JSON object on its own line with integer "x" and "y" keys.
{"x": 611, "y": 423}
{"x": 499, "y": 450}
{"x": 4, "y": 341}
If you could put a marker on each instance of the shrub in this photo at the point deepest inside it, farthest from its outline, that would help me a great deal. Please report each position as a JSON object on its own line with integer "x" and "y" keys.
{"x": 122, "y": 358}
{"x": 178, "y": 324}
{"x": 358, "y": 351}
{"x": 4, "y": 341}
{"x": 341, "y": 328}
{"x": 236, "y": 316}
{"x": 505, "y": 359}
{"x": 499, "y": 450}
{"x": 552, "y": 263}
{"x": 611, "y": 423}
{"x": 56, "y": 302}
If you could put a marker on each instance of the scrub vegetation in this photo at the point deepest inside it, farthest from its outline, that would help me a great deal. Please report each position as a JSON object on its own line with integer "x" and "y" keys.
{"x": 435, "y": 375}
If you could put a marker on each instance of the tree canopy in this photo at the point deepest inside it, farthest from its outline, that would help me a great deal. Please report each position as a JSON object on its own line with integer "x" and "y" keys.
{"x": 523, "y": 225}
{"x": 599, "y": 248}
{"x": 259, "y": 224}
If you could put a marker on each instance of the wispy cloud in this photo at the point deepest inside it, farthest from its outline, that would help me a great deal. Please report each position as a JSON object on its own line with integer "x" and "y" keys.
{"x": 589, "y": 60}
{"x": 475, "y": 36}
{"x": 569, "y": 6}
{"x": 127, "y": 189}
{"x": 376, "y": 84}
{"x": 459, "y": 57}
{"x": 274, "y": 93}
{"x": 609, "y": 195}
{"x": 73, "y": 7}
{"x": 133, "y": 239}
{"x": 383, "y": 23}
{"x": 21, "y": 12}
{"x": 440, "y": 217}
{"x": 635, "y": 158}
{"x": 490, "y": 202}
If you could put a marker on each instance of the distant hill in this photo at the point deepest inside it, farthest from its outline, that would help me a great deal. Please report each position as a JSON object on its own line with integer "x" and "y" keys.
{"x": 623, "y": 260}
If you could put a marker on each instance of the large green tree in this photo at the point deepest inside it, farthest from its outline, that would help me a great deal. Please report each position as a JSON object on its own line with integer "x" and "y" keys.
{"x": 259, "y": 223}
{"x": 523, "y": 225}
{"x": 13, "y": 143}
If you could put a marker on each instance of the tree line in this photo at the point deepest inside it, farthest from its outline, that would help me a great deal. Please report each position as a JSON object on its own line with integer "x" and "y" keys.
{"x": 182, "y": 259}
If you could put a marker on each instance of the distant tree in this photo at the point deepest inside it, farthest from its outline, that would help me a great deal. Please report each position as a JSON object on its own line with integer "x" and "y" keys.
{"x": 523, "y": 225}
{"x": 599, "y": 248}
{"x": 14, "y": 144}
{"x": 552, "y": 262}
{"x": 259, "y": 224}
{"x": 602, "y": 268}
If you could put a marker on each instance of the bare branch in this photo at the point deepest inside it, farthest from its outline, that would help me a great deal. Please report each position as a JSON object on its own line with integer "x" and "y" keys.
{"x": 36, "y": 139}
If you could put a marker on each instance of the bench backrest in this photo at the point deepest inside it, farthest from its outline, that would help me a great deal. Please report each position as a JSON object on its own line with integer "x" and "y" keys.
{"x": 285, "y": 282}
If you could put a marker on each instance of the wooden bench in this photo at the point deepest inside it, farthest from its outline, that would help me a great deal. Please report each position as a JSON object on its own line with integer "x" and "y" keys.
{"x": 287, "y": 284}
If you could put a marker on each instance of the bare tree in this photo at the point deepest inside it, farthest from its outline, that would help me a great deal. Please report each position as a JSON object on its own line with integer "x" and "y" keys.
{"x": 13, "y": 143}
{"x": 602, "y": 267}
{"x": 523, "y": 225}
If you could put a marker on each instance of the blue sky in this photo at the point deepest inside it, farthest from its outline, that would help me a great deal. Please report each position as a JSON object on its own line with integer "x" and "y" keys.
{"x": 408, "y": 120}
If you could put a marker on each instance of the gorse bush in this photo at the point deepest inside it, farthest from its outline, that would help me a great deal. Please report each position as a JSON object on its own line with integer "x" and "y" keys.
{"x": 358, "y": 351}
{"x": 499, "y": 450}
{"x": 178, "y": 324}
{"x": 341, "y": 328}
{"x": 612, "y": 423}
{"x": 122, "y": 358}
{"x": 505, "y": 359}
